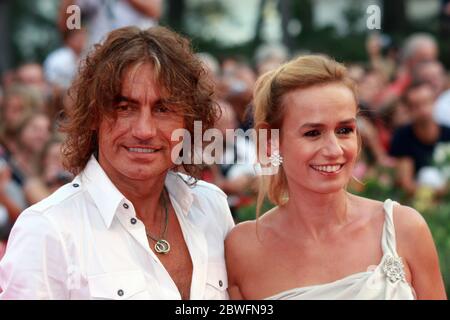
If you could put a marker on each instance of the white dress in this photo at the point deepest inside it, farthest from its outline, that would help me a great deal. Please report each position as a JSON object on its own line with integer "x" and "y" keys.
{"x": 386, "y": 281}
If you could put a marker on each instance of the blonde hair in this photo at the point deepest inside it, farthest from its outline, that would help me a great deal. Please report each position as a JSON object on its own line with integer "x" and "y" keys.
{"x": 271, "y": 88}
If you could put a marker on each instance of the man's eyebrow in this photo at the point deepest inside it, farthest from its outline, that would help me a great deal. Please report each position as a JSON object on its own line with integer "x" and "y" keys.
{"x": 121, "y": 98}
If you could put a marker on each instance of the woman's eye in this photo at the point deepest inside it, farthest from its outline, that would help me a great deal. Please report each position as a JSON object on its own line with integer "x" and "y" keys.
{"x": 312, "y": 133}
{"x": 346, "y": 130}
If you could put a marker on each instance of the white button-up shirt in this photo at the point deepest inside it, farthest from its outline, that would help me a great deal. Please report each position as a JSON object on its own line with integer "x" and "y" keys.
{"x": 85, "y": 242}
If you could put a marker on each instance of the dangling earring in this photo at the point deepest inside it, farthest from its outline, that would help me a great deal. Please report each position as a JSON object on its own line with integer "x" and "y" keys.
{"x": 276, "y": 159}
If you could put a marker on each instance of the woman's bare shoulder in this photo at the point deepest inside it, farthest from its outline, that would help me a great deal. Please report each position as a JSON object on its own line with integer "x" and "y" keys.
{"x": 410, "y": 227}
{"x": 245, "y": 237}
{"x": 241, "y": 232}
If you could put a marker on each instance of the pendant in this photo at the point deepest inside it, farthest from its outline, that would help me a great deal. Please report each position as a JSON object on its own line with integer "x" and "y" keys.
{"x": 162, "y": 246}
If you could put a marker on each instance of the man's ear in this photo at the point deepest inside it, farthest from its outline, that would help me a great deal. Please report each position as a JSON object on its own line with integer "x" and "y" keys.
{"x": 96, "y": 122}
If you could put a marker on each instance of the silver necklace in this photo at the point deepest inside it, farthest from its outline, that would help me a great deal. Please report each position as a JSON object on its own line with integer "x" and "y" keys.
{"x": 162, "y": 246}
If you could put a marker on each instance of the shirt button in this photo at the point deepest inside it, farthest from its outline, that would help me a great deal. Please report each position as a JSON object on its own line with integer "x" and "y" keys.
{"x": 75, "y": 185}
{"x": 133, "y": 221}
{"x": 126, "y": 206}
{"x": 120, "y": 292}
{"x": 220, "y": 283}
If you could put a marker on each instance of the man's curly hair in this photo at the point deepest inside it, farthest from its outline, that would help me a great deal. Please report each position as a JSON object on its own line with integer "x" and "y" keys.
{"x": 180, "y": 74}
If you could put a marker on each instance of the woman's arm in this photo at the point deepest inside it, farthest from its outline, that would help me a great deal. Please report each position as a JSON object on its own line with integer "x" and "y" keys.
{"x": 415, "y": 244}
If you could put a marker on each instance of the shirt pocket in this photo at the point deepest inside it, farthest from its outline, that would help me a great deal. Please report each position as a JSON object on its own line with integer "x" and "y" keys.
{"x": 119, "y": 286}
{"x": 216, "y": 282}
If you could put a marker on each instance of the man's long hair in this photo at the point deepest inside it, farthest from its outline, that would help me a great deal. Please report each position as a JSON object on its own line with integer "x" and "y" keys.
{"x": 178, "y": 72}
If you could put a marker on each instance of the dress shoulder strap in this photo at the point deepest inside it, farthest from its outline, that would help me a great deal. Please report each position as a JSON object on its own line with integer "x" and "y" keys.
{"x": 388, "y": 242}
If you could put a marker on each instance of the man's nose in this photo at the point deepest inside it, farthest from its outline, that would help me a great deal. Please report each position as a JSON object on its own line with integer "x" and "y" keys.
{"x": 145, "y": 126}
{"x": 332, "y": 148}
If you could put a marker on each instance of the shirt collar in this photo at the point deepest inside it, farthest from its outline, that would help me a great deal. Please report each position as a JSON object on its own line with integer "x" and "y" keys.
{"x": 107, "y": 197}
{"x": 179, "y": 191}
{"x": 104, "y": 193}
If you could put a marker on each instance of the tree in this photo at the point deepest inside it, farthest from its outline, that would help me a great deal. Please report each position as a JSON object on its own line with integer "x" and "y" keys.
{"x": 394, "y": 16}
{"x": 175, "y": 14}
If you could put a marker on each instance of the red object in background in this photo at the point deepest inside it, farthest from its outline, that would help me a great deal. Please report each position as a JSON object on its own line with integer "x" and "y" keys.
{"x": 207, "y": 175}
{"x": 384, "y": 134}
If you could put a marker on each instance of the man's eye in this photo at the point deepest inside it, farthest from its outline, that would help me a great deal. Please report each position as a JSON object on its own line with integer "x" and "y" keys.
{"x": 161, "y": 109}
{"x": 123, "y": 107}
{"x": 312, "y": 133}
{"x": 345, "y": 130}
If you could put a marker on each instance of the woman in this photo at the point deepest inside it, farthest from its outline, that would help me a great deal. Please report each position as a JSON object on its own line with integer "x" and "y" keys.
{"x": 321, "y": 242}
{"x": 31, "y": 137}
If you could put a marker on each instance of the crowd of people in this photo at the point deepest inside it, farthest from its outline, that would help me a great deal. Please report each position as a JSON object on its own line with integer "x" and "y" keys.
{"x": 404, "y": 113}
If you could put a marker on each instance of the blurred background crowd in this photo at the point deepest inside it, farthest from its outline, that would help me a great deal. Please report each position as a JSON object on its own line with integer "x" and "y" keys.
{"x": 401, "y": 68}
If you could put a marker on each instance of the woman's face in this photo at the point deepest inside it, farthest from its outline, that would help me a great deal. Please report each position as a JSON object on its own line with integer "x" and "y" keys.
{"x": 36, "y": 133}
{"x": 14, "y": 111}
{"x": 318, "y": 139}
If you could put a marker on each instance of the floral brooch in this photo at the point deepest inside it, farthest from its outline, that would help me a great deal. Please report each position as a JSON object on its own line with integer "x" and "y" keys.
{"x": 393, "y": 268}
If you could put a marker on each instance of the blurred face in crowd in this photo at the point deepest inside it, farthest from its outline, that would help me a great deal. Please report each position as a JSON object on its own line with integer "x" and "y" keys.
{"x": 36, "y": 133}
{"x": 54, "y": 173}
{"x": 318, "y": 137}
{"x": 31, "y": 74}
{"x": 373, "y": 44}
{"x": 370, "y": 87}
{"x": 53, "y": 158}
{"x": 77, "y": 40}
{"x": 227, "y": 118}
{"x": 13, "y": 112}
{"x": 420, "y": 101}
{"x": 239, "y": 79}
{"x": 433, "y": 73}
{"x": 268, "y": 65}
{"x": 137, "y": 145}
{"x": 356, "y": 72}
{"x": 8, "y": 78}
{"x": 427, "y": 51}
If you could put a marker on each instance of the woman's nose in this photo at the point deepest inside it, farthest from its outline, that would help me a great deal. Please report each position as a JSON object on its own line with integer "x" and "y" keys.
{"x": 332, "y": 147}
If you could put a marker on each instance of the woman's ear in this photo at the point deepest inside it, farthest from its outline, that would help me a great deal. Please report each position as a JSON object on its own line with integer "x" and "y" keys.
{"x": 273, "y": 142}
{"x": 264, "y": 139}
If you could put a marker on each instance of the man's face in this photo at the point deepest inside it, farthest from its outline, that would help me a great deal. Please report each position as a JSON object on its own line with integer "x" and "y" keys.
{"x": 136, "y": 147}
{"x": 434, "y": 74}
{"x": 420, "y": 102}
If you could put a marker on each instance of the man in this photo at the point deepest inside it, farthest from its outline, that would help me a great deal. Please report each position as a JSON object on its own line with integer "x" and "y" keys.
{"x": 414, "y": 143}
{"x": 434, "y": 73}
{"x": 129, "y": 226}
{"x": 61, "y": 65}
{"x": 418, "y": 47}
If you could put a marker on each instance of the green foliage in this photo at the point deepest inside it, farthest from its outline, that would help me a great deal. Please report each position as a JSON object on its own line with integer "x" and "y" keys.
{"x": 438, "y": 219}
{"x": 34, "y": 33}
{"x": 249, "y": 212}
